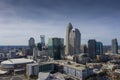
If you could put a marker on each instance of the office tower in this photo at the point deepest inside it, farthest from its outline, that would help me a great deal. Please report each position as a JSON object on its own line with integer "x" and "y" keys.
{"x": 42, "y": 37}
{"x": 31, "y": 42}
{"x": 56, "y": 48}
{"x": 99, "y": 48}
{"x": 73, "y": 39}
{"x": 68, "y": 30}
{"x": 92, "y": 48}
{"x": 114, "y": 46}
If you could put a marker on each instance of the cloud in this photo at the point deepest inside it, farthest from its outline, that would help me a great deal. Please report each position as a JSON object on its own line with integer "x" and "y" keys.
{"x": 22, "y": 19}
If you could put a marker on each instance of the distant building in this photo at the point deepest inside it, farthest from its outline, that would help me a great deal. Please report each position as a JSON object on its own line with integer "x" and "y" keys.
{"x": 35, "y": 68}
{"x": 31, "y": 42}
{"x": 82, "y": 58}
{"x": 69, "y": 28}
{"x": 39, "y": 46}
{"x": 17, "y": 64}
{"x": 84, "y": 49}
{"x": 73, "y": 40}
{"x": 42, "y": 37}
{"x": 35, "y": 53}
{"x": 79, "y": 71}
{"x": 12, "y": 54}
{"x": 114, "y": 46}
{"x": 92, "y": 48}
{"x": 99, "y": 48}
{"x": 56, "y": 48}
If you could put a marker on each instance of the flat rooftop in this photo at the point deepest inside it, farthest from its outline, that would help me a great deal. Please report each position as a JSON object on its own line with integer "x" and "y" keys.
{"x": 63, "y": 63}
{"x": 17, "y": 61}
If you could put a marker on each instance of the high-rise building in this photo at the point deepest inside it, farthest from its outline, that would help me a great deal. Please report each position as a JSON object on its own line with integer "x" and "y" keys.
{"x": 92, "y": 48}
{"x": 42, "y": 37}
{"x": 68, "y": 30}
{"x": 99, "y": 48}
{"x": 56, "y": 48}
{"x": 114, "y": 46}
{"x": 73, "y": 40}
{"x": 31, "y": 42}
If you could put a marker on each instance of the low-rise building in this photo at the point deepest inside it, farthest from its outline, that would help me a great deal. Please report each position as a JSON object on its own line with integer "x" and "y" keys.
{"x": 69, "y": 68}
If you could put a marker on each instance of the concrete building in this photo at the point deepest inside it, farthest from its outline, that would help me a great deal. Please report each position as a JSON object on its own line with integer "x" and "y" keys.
{"x": 71, "y": 69}
{"x": 15, "y": 65}
{"x": 56, "y": 48}
{"x": 92, "y": 48}
{"x": 114, "y": 46}
{"x": 69, "y": 28}
{"x": 82, "y": 58}
{"x": 73, "y": 40}
{"x": 35, "y": 68}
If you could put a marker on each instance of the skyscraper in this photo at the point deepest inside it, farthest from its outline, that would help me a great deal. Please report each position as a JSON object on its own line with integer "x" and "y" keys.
{"x": 56, "y": 48}
{"x": 114, "y": 46}
{"x": 92, "y": 48}
{"x": 42, "y": 37}
{"x": 99, "y": 48}
{"x": 68, "y": 30}
{"x": 73, "y": 39}
{"x": 31, "y": 42}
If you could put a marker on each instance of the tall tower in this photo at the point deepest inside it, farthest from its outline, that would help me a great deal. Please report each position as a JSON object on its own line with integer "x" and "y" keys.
{"x": 42, "y": 37}
{"x": 99, "y": 48}
{"x": 73, "y": 40}
{"x": 77, "y": 41}
{"x": 92, "y": 48}
{"x": 31, "y": 42}
{"x": 69, "y": 28}
{"x": 56, "y": 48}
{"x": 114, "y": 46}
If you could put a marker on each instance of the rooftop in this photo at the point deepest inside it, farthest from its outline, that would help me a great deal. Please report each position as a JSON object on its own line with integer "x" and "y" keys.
{"x": 17, "y": 61}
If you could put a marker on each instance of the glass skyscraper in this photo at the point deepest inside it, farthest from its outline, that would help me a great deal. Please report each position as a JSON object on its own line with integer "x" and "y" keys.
{"x": 56, "y": 48}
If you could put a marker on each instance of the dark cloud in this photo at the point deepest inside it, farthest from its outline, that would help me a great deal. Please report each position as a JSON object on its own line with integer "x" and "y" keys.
{"x": 90, "y": 16}
{"x": 34, "y": 8}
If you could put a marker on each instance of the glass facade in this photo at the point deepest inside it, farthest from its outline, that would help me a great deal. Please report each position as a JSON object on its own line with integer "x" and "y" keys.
{"x": 56, "y": 48}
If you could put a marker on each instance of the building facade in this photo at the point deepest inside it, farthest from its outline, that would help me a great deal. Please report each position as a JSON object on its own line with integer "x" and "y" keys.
{"x": 31, "y": 42}
{"x": 69, "y": 28}
{"x": 99, "y": 48}
{"x": 92, "y": 48}
{"x": 73, "y": 40}
{"x": 56, "y": 48}
{"x": 114, "y": 46}
{"x": 42, "y": 37}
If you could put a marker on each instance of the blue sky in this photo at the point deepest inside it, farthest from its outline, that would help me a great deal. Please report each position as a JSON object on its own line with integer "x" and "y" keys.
{"x": 22, "y": 19}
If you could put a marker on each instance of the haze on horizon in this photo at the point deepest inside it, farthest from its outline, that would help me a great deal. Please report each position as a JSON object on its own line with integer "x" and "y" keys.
{"x": 22, "y": 19}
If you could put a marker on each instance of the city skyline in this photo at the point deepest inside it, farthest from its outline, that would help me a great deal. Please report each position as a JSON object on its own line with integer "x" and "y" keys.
{"x": 96, "y": 19}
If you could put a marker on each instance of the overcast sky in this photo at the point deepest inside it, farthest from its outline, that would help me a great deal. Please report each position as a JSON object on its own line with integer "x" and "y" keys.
{"x": 22, "y": 19}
